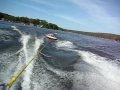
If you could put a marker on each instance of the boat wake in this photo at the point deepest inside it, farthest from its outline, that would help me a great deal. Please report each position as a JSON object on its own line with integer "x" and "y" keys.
{"x": 29, "y": 50}
{"x": 93, "y": 72}
{"x": 89, "y": 71}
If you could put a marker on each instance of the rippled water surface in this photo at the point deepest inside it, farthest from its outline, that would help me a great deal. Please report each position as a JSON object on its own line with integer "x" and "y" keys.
{"x": 73, "y": 62}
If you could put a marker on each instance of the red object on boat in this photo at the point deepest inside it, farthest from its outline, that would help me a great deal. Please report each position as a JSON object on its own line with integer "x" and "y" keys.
{"x": 51, "y": 37}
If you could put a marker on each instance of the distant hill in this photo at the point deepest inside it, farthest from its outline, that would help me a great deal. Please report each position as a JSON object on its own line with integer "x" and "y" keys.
{"x": 101, "y": 35}
{"x": 45, "y": 24}
{"x": 28, "y": 21}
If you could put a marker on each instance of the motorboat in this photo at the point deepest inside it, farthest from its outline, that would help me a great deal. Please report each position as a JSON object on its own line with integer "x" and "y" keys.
{"x": 51, "y": 36}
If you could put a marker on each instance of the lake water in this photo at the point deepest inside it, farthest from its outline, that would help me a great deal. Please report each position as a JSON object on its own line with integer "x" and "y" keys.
{"x": 73, "y": 62}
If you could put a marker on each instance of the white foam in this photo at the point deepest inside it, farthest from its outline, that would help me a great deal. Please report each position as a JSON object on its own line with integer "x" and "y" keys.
{"x": 103, "y": 74}
{"x": 64, "y": 45}
{"x": 38, "y": 42}
{"x": 93, "y": 72}
{"x": 16, "y": 29}
{"x": 24, "y": 40}
{"x": 29, "y": 56}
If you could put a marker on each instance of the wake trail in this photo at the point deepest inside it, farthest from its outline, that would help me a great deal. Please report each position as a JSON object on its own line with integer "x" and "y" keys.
{"x": 30, "y": 53}
{"x": 26, "y": 53}
{"x": 93, "y": 72}
{"x": 16, "y": 29}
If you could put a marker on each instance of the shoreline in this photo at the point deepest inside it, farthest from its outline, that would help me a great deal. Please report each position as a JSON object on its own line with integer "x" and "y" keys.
{"x": 44, "y": 24}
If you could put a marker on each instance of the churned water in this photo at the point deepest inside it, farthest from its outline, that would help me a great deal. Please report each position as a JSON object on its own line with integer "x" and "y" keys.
{"x": 73, "y": 62}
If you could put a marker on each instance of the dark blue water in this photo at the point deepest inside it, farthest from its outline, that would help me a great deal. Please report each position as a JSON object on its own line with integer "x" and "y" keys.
{"x": 73, "y": 62}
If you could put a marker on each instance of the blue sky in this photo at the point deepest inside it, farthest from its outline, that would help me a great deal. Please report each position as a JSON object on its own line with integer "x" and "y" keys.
{"x": 82, "y": 15}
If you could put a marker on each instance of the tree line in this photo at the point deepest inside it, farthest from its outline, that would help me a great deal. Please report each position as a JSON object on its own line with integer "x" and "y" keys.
{"x": 94, "y": 34}
{"x": 45, "y": 24}
{"x": 28, "y": 21}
